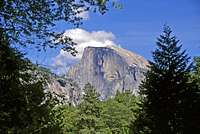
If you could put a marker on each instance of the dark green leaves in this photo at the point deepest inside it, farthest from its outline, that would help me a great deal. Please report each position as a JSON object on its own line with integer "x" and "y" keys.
{"x": 31, "y": 22}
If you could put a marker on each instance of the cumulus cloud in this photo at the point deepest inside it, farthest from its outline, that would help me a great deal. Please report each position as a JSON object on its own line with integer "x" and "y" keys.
{"x": 83, "y": 39}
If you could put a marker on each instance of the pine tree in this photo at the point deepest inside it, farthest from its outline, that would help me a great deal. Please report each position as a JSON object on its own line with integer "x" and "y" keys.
{"x": 165, "y": 86}
{"x": 89, "y": 119}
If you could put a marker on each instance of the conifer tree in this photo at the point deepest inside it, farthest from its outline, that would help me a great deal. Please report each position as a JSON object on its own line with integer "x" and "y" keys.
{"x": 165, "y": 87}
{"x": 192, "y": 101}
{"x": 22, "y": 100}
{"x": 89, "y": 119}
{"x": 119, "y": 111}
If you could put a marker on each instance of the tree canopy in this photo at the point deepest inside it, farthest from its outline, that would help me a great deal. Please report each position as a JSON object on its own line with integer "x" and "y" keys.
{"x": 169, "y": 96}
{"x": 31, "y": 22}
{"x": 24, "y": 107}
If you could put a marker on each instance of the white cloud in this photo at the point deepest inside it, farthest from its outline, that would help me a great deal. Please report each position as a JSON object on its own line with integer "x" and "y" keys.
{"x": 83, "y": 39}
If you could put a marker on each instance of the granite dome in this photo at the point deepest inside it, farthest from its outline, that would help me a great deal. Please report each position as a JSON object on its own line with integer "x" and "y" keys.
{"x": 109, "y": 69}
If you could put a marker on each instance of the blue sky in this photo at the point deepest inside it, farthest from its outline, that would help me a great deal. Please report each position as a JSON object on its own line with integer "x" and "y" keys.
{"x": 137, "y": 25}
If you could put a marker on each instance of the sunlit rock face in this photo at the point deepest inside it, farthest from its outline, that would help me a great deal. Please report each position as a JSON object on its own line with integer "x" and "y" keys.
{"x": 109, "y": 69}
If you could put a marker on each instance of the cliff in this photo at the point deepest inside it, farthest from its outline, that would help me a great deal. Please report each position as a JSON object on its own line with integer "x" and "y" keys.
{"x": 109, "y": 69}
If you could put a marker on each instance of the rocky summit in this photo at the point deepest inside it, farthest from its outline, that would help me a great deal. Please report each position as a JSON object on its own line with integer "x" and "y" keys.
{"x": 109, "y": 69}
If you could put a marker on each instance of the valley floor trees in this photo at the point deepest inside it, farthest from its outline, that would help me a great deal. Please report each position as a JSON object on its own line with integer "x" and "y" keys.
{"x": 92, "y": 116}
{"x": 170, "y": 98}
{"x": 24, "y": 107}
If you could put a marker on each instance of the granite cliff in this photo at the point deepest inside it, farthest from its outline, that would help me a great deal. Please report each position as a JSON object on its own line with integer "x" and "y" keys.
{"x": 109, "y": 69}
{"x": 64, "y": 89}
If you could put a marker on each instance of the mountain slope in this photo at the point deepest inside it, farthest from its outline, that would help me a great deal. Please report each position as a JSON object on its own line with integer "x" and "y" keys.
{"x": 63, "y": 88}
{"x": 109, "y": 69}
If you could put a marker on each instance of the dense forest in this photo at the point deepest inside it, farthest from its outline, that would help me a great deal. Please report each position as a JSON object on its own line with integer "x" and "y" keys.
{"x": 168, "y": 101}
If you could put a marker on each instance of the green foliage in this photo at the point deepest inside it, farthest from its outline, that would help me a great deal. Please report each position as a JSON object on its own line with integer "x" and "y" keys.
{"x": 64, "y": 117}
{"x": 22, "y": 101}
{"x": 24, "y": 107}
{"x": 119, "y": 111}
{"x": 23, "y": 20}
{"x": 142, "y": 123}
{"x": 89, "y": 115}
{"x": 168, "y": 96}
{"x": 192, "y": 101}
{"x": 195, "y": 75}
{"x": 92, "y": 116}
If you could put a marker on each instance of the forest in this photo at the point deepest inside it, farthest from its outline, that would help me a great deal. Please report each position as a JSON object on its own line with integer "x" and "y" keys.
{"x": 168, "y": 101}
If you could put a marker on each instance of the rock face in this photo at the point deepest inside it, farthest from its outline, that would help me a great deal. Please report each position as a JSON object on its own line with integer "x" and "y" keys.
{"x": 109, "y": 69}
{"x": 61, "y": 87}
{"x": 64, "y": 89}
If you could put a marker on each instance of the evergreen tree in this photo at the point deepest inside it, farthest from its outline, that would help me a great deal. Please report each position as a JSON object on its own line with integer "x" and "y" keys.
{"x": 195, "y": 75}
{"x": 22, "y": 100}
{"x": 64, "y": 116}
{"x": 89, "y": 119}
{"x": 192, "y": 101}
{"x": 119, "y": 111}
{"x": 165, "y": 86}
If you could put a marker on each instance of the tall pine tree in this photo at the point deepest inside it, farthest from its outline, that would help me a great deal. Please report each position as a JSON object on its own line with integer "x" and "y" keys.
{"x": 165, "y": 86}
{"x": 89, "y": 120}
